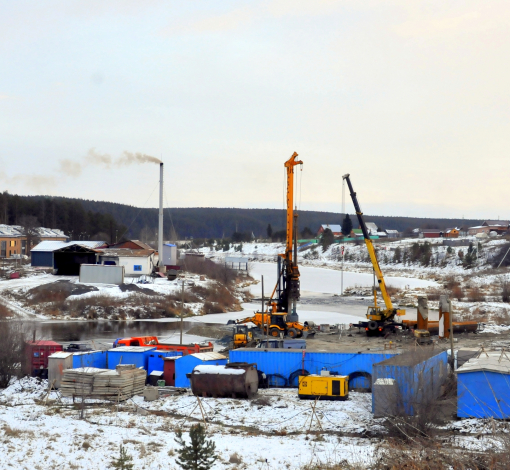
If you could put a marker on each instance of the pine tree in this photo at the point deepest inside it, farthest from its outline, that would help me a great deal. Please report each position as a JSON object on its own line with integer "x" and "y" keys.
{"x": 123, "y": 462}
{"x": 327, "y": 239}
{"x": 269, "y": 231}
{"x": 347, "y": 226}
{"x": 200, "y": 454}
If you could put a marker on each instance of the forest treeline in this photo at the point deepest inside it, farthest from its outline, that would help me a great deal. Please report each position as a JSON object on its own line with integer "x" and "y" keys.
{"x": 113, "y": 221}
{"x": 69, "y": 215}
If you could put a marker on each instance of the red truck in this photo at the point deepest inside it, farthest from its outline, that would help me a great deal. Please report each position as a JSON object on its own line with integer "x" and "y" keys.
{"x": 153, "y": 341}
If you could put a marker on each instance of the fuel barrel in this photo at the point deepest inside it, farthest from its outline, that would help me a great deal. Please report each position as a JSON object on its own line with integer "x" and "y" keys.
{"x": 234, "y": 380}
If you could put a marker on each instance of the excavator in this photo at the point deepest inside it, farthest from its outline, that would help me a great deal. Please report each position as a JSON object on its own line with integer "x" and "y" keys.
{"x": 280, "y": 318}
{"x": 380, "y": 320}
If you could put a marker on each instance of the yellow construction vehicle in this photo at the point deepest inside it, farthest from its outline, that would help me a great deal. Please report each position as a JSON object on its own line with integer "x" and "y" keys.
{"x": 242, "y": 338}
{"x": 325, "y": 386}
{"x": 274, "y": 324}
{"x": 380, "y": 320}
{"x": 282, "y": 317}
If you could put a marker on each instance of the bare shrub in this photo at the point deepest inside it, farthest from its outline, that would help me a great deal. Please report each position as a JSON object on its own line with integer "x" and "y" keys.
{"x": 505, "y": 288}
{"x": 475, "y": 295}
{"x": 451, "y": 282}
{"x": 457, "y": 293}
{"x": 393, "y": 290}
{"x": 235, "y": 458}
{"x": 12, "y": 349}
{"x": 212, "y": 270}
{"x": 217, "y": 298}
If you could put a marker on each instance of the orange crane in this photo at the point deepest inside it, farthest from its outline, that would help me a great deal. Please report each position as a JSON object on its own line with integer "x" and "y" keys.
{"x": 282, "y": 317}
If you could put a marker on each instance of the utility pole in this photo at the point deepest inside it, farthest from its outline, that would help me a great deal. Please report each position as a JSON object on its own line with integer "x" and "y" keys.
{"x": 265, "y": 326}
{"x": 451, "y": 333}
{"x": 182, "y": 307}
{"x": 342, "y": 281}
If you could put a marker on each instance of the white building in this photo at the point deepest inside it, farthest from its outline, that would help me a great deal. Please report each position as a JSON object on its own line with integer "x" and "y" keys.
{"x": 135, "y": 262}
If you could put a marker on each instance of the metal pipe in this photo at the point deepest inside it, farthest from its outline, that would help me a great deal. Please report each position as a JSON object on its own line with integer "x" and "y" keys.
{"x": 160, "y": 224}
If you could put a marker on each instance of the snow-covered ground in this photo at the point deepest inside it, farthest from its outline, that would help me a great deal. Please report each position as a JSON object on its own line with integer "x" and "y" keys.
{"x": 271, "y": 436}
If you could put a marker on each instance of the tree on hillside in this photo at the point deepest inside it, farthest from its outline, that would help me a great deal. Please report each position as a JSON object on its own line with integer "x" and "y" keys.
{"x": 269, "y": 231}
{"x": 29, "y": 225}
{"x": 123, "y": 462}
{"x": 307, "y": 233}
{"x": 199, "y": 454}
{"x": 12, "y": 347}
{"x": 346, "y": 226}
{"x": 327, "y": 239}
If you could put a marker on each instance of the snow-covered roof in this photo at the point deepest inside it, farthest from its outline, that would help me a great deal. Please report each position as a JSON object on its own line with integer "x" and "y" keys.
{"x": 18, "y": 231}
{"x": 334, "y": 227}
{"x": 60, "y": 355}
{"x": 504, "y": 223}
{"x": 391, "y": 231}
{"x": 372, "y": 227}
{"x": 208, "y": 356}
{"x": 217, "y": 370}
{"x": 493, "y": 361}
{"x": 52, "y": 245}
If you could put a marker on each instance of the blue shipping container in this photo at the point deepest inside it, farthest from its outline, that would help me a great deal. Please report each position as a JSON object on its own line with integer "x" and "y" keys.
{"x": 483, "y": 394}
{"x": 137, "y": 355}
{"x": 90, "y": 359}
{"x": 419, "y": 378}
{"x": 156, "y": 359}
{"x": 185, "y": 365}
{"x": 283, "y": 367}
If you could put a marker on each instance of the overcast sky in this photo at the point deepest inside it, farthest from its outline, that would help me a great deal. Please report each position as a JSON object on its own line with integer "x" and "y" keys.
{"x": 409, "y": 97}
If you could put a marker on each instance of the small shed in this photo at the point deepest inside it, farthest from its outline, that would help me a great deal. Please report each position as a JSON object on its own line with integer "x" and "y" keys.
{"x": 137, "y": 355}
{"x": 157, "y": 357}
{"x": 36, "y": 356}
{"x": 169, "y": 255}
{"x": 483, "y": 386}
{"x": 136, "y": 262}
{"x": 57, "y": 364}
{"x": 97, "y": 359}
{"x": 186, "y": 364}
{"x": 419, "y": 377}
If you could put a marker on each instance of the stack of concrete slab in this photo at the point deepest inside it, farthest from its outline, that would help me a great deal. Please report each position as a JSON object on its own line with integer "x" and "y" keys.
{"x": 119, "y": 384}
{"x": 78, "y": 382}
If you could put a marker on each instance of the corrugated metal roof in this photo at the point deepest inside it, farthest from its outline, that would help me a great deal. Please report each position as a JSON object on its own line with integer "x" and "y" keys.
{"x": 208, "y": 356}
{"x": 125, "y": 252}
{"x": 60, "y": 355}
{"x": 50, "y": 245}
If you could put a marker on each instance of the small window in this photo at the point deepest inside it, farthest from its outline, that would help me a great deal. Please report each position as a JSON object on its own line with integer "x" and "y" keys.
{"x": 13, "y": 243}
{"x": 137, "y": 267}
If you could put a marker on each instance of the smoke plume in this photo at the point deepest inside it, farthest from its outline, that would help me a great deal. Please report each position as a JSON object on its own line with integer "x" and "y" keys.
{"x": 128, "y": 158}
{"x": 74, "y": 168}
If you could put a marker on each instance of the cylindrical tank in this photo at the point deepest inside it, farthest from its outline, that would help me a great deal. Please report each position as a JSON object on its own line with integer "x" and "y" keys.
{"x": 234, "y": 380}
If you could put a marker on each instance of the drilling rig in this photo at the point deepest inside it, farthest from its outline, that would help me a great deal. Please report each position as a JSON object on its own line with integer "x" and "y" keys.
{"x": 281, "y": 316}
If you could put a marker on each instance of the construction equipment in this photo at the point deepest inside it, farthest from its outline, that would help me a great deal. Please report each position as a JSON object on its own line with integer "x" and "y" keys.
{"x": 282, "y": 317}
{"x": 380, "y": 320}
{"x": 326, "y": 386}
{"x": 242, "y": 338}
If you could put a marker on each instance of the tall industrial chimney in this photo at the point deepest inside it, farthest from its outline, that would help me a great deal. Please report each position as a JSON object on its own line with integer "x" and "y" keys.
{"x": 160, "y": 227}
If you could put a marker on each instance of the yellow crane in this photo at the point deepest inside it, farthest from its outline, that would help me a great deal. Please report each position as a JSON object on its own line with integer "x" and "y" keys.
{"x": 379, "y": 319}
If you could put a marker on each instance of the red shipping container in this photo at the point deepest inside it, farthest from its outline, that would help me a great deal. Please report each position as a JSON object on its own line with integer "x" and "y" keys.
{"x": 169, "y": 370}
{"x": 37, "y": 353}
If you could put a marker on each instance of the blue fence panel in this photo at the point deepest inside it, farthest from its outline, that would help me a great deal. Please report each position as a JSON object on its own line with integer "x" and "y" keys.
{"x": 283, "y": 367}
{"x": 483, "y": 394}
{"x": 97, "y": 359}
